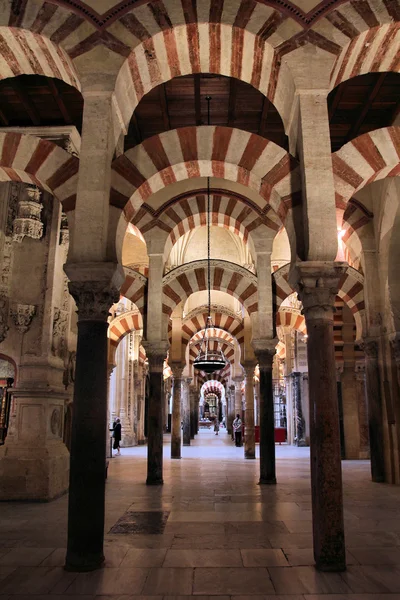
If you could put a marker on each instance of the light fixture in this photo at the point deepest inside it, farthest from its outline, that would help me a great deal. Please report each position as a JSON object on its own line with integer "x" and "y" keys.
{"x": 208, "y": 360}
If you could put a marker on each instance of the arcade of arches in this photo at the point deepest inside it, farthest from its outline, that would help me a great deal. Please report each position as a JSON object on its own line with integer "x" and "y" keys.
{"x": 105, "y": 152}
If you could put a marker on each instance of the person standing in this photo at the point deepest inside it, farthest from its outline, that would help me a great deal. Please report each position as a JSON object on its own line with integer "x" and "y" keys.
{"x": 216, "y": 425}
{"x": 237, "y": 428}
{"x": 117, "y": 436}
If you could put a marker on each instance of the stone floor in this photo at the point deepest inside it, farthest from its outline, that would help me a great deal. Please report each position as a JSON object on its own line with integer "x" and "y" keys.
{"x": 224, "y": 535}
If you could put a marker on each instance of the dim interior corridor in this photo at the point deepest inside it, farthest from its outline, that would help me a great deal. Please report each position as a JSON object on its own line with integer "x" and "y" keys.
{"x": 209, "y": 531}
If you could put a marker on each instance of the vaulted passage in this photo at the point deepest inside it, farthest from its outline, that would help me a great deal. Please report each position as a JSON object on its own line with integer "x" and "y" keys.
{"x": 199, "y": 296}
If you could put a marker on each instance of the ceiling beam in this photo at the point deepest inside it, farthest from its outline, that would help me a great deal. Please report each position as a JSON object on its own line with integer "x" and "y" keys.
{"x": 336, "y": 99}
{"x": 361, "y": 117}
{"x": 3, "y": 119}
{"x": 136, "y": 129}
{"x": 197, "y": 99}
{"x": 395, "y": 113}
{"x": 26, "y": 101}
{"x": 52, "y": 84}
{"x": 164, "y": 107}
{"x": 264, "y": 116}
{"x": 232, "y": 101}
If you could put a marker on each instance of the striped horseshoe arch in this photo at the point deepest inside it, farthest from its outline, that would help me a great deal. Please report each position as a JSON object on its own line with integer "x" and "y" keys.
{"x": 124, "y": 324}
{"x": 227, "y": 277}
{"x": 178, "y": 37}
{"x": 24, "y": 52}
{"x": 365, "y": 159}
{"x": 32, "y": 160}
{"x": 225, "y": 321}
{"x": 212, "y": 387}
{"x": 134, "y": 288}
{"x": 351, "y": 291}
{"x": 185, "y": 213}
{"x": 289, "y": 317}
{"x": 190, "y": 152}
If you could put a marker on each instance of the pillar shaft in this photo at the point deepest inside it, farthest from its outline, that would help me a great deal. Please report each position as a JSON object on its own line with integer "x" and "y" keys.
{"x": 317, "y": 284}
{"x": 176, "y": 412}
{"x": 249, "y": 441}
{"x": 186, "y": 411}
{"x": 238, "y": 396}
{"x": 88, "y": 442}
{"x": 192, "y": 413}
{"x": 264, "y": 351}
{"x": 156, "y": 353}
{"x": 374, "y": 399}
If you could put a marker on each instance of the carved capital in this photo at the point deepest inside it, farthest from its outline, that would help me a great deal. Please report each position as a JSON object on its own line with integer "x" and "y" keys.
{"x": 156, "y": 353}
{"x": 93, "y": 299}
{"x": 177, "y": 369}
{"x": 28, "y": 223}
{"x": 22, "y": 315}
{"x": 265, "y": 351}
{"x": 370, "y": 348}
{"x": 249, "y": 367}
{"x": 317, "y": 284}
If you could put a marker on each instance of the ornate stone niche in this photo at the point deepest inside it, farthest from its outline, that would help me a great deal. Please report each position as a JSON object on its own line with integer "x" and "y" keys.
{"x": 22, "y": 315}
{"x": 28, "y": 223}
{"x": 64, "y": 232}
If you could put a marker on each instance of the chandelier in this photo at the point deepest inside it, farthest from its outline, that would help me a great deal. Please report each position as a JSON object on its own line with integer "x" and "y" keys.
{"x": 208, "y": 360}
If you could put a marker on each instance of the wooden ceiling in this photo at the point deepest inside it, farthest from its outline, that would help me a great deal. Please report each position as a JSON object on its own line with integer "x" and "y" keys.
{"x": 356, "y": 106}
{"x": 182, "y": 102}
{"x": 362, "y": 104}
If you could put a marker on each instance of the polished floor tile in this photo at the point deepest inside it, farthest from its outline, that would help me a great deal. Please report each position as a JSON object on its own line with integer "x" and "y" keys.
{"x": 225, "y": 536}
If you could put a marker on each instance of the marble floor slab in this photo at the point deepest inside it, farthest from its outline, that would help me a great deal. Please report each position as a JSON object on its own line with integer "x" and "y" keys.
{"x": 225, "y": 536}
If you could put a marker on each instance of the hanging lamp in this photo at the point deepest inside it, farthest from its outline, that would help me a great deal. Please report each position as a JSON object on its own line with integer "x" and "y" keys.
{"x": 208, "y": 360}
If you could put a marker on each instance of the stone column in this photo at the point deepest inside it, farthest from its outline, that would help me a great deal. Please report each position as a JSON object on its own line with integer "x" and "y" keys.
{"x": 238, "y": 396}
{"x": 375, "y": 417}
{"x": 193, "y": 399}
{"x": 87, "y": 464}
{"x": 249, "y": 442}
{"x": 177, "y": 369}
{"x": 156, "y": 353}
{"x": 186, "y": 411}
{"x": 265, "y": 351}
{"x": 317, "y": 285}
{"x": 257, "y": 403}
{"x": 231, "y": 411}
{"x": 362, "y": 411}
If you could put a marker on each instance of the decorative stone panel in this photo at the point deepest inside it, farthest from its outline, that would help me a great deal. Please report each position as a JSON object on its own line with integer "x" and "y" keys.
{"x": 27, "y": 222}
{"x": 22, "y": 315}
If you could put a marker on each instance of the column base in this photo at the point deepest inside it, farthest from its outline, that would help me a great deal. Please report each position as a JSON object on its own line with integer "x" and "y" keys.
{"x": 267, "y": 481}
{"x": 79, "y": 564}
{"x": 331, "y": 568}
{"x": 151, "y": 481}
{"x": 250, "y": 455}
{"x": 39, "y": 474}
{"x": 176, "y": 457}
{"x": 185, "y": 444}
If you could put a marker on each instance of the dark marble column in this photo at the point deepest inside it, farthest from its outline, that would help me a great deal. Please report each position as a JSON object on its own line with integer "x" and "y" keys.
{"x": 156, "y": 353}
{"x": 192, "y": 392}
{"x": 176, "y": 434}
{"x": 249, "y": 442}
{"x": 265, "y": 351}
{"x": 317, "y": 284}
{"x": 375, "y": 417}
{"x": 362, "y": 411}
{"x": 186, "y": 411}
{"x": 89, "y": 421}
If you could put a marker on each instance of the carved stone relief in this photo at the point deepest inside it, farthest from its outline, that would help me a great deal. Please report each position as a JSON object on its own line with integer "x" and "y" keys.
{"x": 59, "y": 343}
{"x": 3, "y": 318}
{"x": 55, "y": 422}
{"x": 27, "y": 222}
{"x": 22, "y": 315}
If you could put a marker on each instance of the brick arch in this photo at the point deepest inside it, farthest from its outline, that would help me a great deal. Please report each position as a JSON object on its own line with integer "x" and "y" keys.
{"x": 221, "y": 376}
{"x": 351, "y": 291}
{"x": 124, "y": 324}
{"x": 374, "y": 50}
{"x": 355, "y": 218}
{"x": 32, "y": 160}
{"x": 231, "y": 324}
{"x": 212, "y": 386}
{"x": 177, "y": 38}
{"x": 187, "y": 211}
{"x": 227, "y": 277}
{"x": 191, "y": 152}
{"x": 367, "y": 158}
{"x": 288, "y": 317}
{"x": 24, "y": 52}
{"x": 135, "y": 288}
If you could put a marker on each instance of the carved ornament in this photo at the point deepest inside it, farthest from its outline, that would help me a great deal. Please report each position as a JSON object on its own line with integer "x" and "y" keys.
{"x": 28, "y": 223}
{"x": 22, "y": 315}
{"x": 370, "y": 348}
{"x": 3, "y": 318}
{"x": 59, "y": 343}
{"x": 93, "y": 299}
